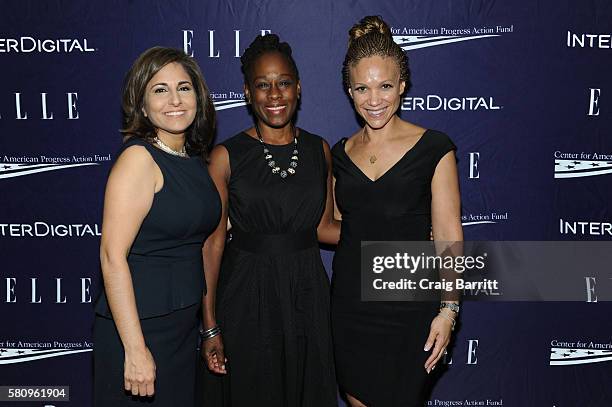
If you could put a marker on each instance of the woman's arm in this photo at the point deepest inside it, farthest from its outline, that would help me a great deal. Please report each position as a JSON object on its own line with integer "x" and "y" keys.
{"x": 328, "y": 230}
{"x": 337, "y": 213}
{"x": 446, "y": 201}
{"x": 133, "y": 181}
{"x": 446, "y": 225}
{"x": 219, "y": 170}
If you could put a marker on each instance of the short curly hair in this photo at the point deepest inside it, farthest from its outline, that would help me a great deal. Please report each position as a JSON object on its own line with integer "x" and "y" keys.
{"x": 263, "y": 44}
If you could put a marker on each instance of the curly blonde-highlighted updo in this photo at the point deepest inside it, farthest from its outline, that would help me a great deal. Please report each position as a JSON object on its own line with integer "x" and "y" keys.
{"x": 370, "y": 37}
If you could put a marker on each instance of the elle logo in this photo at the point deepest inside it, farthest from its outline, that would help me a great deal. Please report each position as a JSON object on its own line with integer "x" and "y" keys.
{"x": 594, "y": 102}
{"x": 591, "y": 286}
{"x": 24, "y": 106}
{"x": 472, "y": 347}
{"x": 213, "y": 51}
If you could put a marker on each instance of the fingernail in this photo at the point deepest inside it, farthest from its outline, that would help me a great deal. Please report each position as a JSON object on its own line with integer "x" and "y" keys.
{"x": 433, "y": 368}
{"x": 426, "y": 348}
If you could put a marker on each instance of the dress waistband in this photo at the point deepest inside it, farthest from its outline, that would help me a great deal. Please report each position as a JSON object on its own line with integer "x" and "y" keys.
{"x": 273, "y": 244}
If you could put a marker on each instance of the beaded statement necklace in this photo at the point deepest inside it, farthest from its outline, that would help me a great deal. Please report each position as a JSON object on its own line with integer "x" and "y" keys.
{"x": 272, "y": 164}
{"x": 182, "y": 153}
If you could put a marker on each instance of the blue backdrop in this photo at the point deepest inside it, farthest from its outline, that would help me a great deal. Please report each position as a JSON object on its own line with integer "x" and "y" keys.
{"x": 523, "y": 88}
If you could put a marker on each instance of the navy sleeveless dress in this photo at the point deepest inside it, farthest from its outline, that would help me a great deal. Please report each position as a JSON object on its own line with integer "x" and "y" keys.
{"x": 165, "y": 263}
{"x": 273, "y": 292}
{"x": 379, "y": 345}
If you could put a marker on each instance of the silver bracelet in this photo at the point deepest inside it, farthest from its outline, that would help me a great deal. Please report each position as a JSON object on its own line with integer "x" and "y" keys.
{"x": 452, "y": 320}
{"x": 451, "y": 306}
{"x": 210, "y": 333}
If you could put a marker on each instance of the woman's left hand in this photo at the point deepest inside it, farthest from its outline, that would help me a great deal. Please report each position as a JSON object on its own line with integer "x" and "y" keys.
{"x": 439, "y": 337}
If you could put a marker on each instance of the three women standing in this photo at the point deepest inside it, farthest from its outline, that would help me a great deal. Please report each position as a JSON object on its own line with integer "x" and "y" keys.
{"x": 266, "y": 312}
{"x": 268, "y": 291}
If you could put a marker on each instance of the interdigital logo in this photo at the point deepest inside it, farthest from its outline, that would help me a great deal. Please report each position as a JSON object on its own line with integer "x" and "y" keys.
{"x": 416, "y": 38}
{"x": 588, "y": 228}
{"x": 27, "y": 45}
{"x": 44, "y": 229}
{"x": 602, "y": 41}
{"x": 436, "y": 102}
{"x": 583, "y": 164}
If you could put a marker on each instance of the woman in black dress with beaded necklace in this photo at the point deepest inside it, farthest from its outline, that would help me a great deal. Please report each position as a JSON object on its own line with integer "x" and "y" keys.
{"x": 393, "y": 180}
{"x": 268, "y": 312}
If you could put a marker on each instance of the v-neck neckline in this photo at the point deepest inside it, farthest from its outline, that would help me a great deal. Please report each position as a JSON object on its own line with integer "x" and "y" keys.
{"x": 373, "y": 181}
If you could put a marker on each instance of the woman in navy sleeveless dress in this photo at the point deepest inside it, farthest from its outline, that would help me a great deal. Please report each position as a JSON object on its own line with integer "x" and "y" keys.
{"x": 272, "y": 294}
{"x": 160, "y": 205}
{"x": 394, "y": 181}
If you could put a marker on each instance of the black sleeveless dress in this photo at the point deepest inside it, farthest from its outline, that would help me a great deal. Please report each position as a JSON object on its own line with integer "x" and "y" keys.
{"x": 273, "y": 292}
{"x": 165, "y": 263}
{"x": 379, "y": 345}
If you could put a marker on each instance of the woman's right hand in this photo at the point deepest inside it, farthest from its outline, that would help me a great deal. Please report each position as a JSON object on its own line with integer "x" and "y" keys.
{"x": 212, "y": 352}
{"x": 139, "y": 372}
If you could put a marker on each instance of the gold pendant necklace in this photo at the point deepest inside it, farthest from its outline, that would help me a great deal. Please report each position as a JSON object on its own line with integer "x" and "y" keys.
{"x": 373, "y": 159}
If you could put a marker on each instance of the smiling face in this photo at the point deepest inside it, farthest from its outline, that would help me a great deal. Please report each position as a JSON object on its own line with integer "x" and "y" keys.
{"x": 273, "y": 90}
{"x": 170, "y": 101}
{"x": 376, "y": 89}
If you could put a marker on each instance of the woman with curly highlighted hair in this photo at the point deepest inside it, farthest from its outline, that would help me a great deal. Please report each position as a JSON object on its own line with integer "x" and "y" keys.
{"x": 385, "y": 350}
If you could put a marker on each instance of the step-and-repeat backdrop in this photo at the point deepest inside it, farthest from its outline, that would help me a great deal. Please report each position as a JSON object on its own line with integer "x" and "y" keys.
{"x": 524, "y": 88}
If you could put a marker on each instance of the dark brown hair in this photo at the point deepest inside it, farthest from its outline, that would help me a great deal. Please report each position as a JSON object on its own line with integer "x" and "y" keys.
{"x": 199, "y": 135}
{"x": 370, "y": 37}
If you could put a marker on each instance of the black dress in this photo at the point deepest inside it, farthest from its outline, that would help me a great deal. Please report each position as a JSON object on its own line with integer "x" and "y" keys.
{"x": 379, "y": 345}
{"x": 273, "y": 292}
{"x": 165, "y": 263}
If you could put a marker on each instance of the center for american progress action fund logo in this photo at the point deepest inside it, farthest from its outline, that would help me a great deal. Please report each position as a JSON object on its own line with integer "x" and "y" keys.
{"x": 583, "y": 164}
{"x": 12, "y": 166}
{"x": 406, "y": 38}
{"x": 12, "y": 352}
{"x": 415, "y": 38}
{"x": 564, "y": 353}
